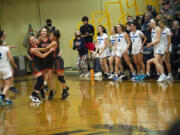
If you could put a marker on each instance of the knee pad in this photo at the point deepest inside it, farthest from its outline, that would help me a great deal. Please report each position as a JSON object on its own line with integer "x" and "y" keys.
{"x": 39, "y": 83}
{"x": 61, "y": 79}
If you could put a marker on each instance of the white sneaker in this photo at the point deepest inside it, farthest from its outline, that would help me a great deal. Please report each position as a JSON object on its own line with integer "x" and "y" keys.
{"x": 122, "y": 75}
{"x": 98, "y": 74}
{"x": 162, "y": 78}
{"x": 87, "y": 75}
{"x": 111, "y": 76}
{"x": 169, "y": 77}
{"x": 82, "y": 75}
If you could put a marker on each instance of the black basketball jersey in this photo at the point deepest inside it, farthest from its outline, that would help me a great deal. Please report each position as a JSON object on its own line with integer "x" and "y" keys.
{"x": 33, "y": 57}
{"x": 56, "y": 52}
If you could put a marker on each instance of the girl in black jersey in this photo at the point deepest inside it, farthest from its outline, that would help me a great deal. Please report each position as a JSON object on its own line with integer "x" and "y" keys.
{"x": 36, "y": 56}
{"x": 59, "y": 63}
{"x": 46, "y": 65}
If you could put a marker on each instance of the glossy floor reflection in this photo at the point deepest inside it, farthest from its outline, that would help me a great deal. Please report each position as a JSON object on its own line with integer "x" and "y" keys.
{"x": 94, "y": 108}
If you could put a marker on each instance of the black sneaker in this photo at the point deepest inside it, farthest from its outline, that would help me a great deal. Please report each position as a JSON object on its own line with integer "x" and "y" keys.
{"x": 177, "y": 77}
{"x": 51, "y": 95}
{"x": 42, "y": 94}
{"x": 147, "y": 77}
{"x": 65, "y": 94}
{"x": 46, "y": 88}
{"x": 35, "y": 97}
{"x": 105, "y": 77}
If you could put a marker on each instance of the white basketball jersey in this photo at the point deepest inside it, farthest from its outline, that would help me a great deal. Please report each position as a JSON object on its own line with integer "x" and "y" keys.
{"x": 164, "y": 37}
{"x": 4, "y": 60}
{"x": 112, "y": 39}
{"x": 136, "y": 38}
{"x": 154, "y": 38}
{"x": 121, "y": 41}
{"x": 101, "y": 40}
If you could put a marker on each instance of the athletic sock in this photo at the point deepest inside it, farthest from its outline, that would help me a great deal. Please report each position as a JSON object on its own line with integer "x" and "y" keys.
{"x": 148, "y": 74}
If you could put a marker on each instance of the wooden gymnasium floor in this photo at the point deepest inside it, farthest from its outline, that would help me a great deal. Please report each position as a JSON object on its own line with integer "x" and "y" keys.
{"x": 94, "y": 108}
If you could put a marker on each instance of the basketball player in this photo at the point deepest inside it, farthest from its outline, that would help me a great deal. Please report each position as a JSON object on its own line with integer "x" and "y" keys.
{"x": 37, "y": 56}
{"x": 46, "y": 65}
{"x": 123, "y": 43}
{"x": 3, "y": 37}
{"x": 137, "y": 49}
{"x": 158, "y": 51}
{"x": 102, "y": 40}
{"x": 5, "y": 71}
{"x": 59, "y": 63}
{"x": 166, "y": 41}
{"x": 112, "y": 44}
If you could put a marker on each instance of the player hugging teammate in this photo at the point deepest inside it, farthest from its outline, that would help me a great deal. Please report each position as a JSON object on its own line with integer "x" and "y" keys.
{"x": 45, "y": 56}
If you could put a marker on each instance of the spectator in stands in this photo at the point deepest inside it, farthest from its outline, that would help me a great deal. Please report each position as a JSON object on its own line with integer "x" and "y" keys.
{"x": 169, "y": 20}
{"x": 165, "y": 10}
{"x": 145, "y": 26}
{"x": 151, "y": 10}
{"x": 29, "y": 33}
{"x": 49, "y": 26}
{"x": 175, "y": 9}
{"x": 129, "y": 18}
{"x": 176, "y": 45}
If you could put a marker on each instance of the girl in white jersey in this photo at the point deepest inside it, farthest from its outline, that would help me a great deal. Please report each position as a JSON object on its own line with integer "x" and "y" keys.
{"x": 137, "y": 49}
{"x": 166, "y": 42}
{"x": 102, "y": 41}
{"x": 112, "y": 45}
{"x": 3, "y": 38}
{"x": 158, "y": 51}
{"x": 5, "y": 71}
{"x": 123, "y": 43}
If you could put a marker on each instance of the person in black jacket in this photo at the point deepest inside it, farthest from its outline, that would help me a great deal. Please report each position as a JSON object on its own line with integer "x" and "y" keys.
{"x": 79, "y": 45}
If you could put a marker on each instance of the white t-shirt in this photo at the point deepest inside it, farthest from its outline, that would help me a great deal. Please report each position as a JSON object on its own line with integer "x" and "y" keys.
{"x": 136, "y": 38}
{"x": 101, "y": 40}
{"x": 4, "y": 60}
{"x": 121, "y": 41}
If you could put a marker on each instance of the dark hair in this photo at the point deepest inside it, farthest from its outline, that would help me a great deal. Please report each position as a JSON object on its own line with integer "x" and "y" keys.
{"x": 56, "y": 34}
{"x": 115, "y": 29}
{"x": 103, "y": 29}
{"x": 85, "y": 18}
{"x": 163, "y": 21}
{"x": 156, "y": 20}
{"x": 129, "y": 16}
{"x": 48, "y": 20}
{"x": 1, "y": 42}
{"x": 122, "y": 27}
{"x": 1, "y": 33}
{"x": 136, "y": 24}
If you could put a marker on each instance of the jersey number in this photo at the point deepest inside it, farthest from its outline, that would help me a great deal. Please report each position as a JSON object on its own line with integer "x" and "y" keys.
{"x": 0, "y": 56}
{"x": 119, "y": 40}
{"x": 99, "y": 42}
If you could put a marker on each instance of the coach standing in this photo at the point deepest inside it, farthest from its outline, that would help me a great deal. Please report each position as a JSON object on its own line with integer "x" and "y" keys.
{"x": 87, "y": 31}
